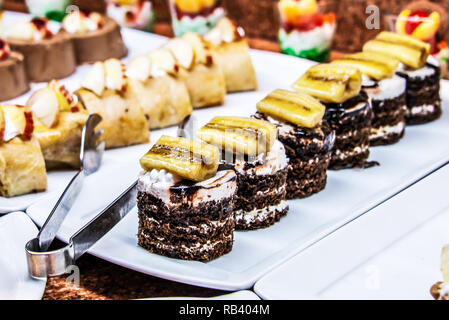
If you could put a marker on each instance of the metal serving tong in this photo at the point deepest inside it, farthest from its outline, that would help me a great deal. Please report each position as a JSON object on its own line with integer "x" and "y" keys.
{"x": 40, "y": 262}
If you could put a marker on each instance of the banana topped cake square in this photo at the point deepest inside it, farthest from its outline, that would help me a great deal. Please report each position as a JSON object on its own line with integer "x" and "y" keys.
{"x": 250, "y": 146}
{"x": 185, "y": 205}
{"x": 348, "y": 111}
{"x": 307, "y": 138}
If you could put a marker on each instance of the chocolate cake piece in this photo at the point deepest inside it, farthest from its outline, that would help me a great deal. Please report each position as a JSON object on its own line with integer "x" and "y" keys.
{"x": 13, "y": 77}
{"x": 388, "y": 101}
{"x": 100, "y": 44}
{"x": 423, "y": 93}
{"x": 351, "y": 121}
{"x": 261, "y": 196}
{"x": 309, "y": 152}
{"x": 186, "y": 220}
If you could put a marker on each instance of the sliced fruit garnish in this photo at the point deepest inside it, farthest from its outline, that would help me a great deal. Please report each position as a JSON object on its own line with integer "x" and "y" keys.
{"x": 391, "y": 62}
{"x": 18, "y": 122}
{"x": 21, "y": 31}
{"x": 374, "y": 70}
{"x": 139, "y": 68}
{"x": 193, "y": 160}
{"x": 202, "y": 52}
{"x": 183, "y": 52}
{"x": 115, "y": 75}
{"x": 295, "y": 107}
{"x": 44, "y": 104}
{"x": 64, "y": 97}
{"x": 225, "y": 31}
{"x": 401, "y": 21}
{"x": 428, "y": 28}
{"x": 293, "y": 10}
{"x": 95, "y": 79}
{"x": 445, "y": 263}
{"x": 330, "y": 83}
{"x": 239, "y": 135}
{"x": 189, "y": 6}
{"x": 2, "y": 124}
{"x": 163, "y": 59}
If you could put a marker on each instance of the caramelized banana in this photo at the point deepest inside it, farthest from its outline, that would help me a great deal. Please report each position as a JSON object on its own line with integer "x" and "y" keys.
{"x": 239, "y": 135}
{"x": 412, "y": 52}
{"x": 295, "y": 107}
{"x": 372, "y": 69}
{"x": 391, "y": 62}
{"x": 193, "y": 160}
{"x": 330, "y": 83}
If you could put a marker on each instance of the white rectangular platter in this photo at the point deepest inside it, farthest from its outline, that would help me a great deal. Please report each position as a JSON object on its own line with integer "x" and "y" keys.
{"x": 274, "y": 70}
{"x": 392, "y": 252}
{"x": 349, "y": 194}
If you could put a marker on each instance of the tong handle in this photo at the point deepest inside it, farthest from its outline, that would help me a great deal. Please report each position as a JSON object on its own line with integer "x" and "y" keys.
{"x": 60, "y": 211}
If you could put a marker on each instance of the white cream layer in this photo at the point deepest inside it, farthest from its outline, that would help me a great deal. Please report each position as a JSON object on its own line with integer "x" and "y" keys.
{"x": 158, "y": 184}
{"x": 386, "y": 130}
{"x": 276, "y": 160}
{"x": 387, "y": 89}
{"x": 259, "y": 214}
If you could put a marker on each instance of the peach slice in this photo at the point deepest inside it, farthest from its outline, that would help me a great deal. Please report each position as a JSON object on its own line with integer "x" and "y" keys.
{"x": 183, "y": 52}
{"x": 44, "y": 104}
{"x": 17, "y": 122}
{"x": 164, "y": 60}
{"x": 428, "y": 28}
{"x": 115, "y": 75}
{"x": 139, "y": 68}
{"x": 95, "y": 79}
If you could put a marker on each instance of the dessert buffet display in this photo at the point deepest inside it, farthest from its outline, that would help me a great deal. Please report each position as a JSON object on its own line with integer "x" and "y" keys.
{"x": 440, "y": 290}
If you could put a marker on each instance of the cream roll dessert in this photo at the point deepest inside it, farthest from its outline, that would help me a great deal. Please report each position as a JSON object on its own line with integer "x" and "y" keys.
{"x": 22, "y": 166}
{"x": 185, "y": 205}
{"x": 307, "y": 138}
{"x": 250, "y": 146}
{"x": 95, "y": 37}
{"x": 387, "y": 93}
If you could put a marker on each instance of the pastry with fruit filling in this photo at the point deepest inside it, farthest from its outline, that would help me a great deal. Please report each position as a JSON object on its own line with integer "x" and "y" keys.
{"x": 440, "y": 290}
{"x": 251, "y": 147}
{"x": 95, "y": 37}
{"x": 185, "y": 205}
{"x": 421, "y": 73}
{"x": 154, "y": 80}
{"x": 22, "y": 166}
{"x": 58, "y": 121}
{"x": 307, "y": 138}
{"x": 348, "y": 111}
{"x": 105, "y": 90}
{"x": 48, "y": 55}
{"x": 232, "y": 53}
{"x": 199, "y": 68}
{"x": 13, "y": 77}
{"x": 386, "y": 91}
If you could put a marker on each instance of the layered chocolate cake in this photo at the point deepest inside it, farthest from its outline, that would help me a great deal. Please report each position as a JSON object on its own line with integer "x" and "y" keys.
{"x": 386, "y": 92}
{"x": 12, "y": 73}
{"x": 47, "y": 55}
{"x": 423, "y": 78}
{"x": 259, "y": 160}
{"x": 308, "y": 140}
{"x": 185, "y": 205}
{"x": 348, "y": 111}
{"x": 423, "y": 93}
{"x": 95, "y": 37}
